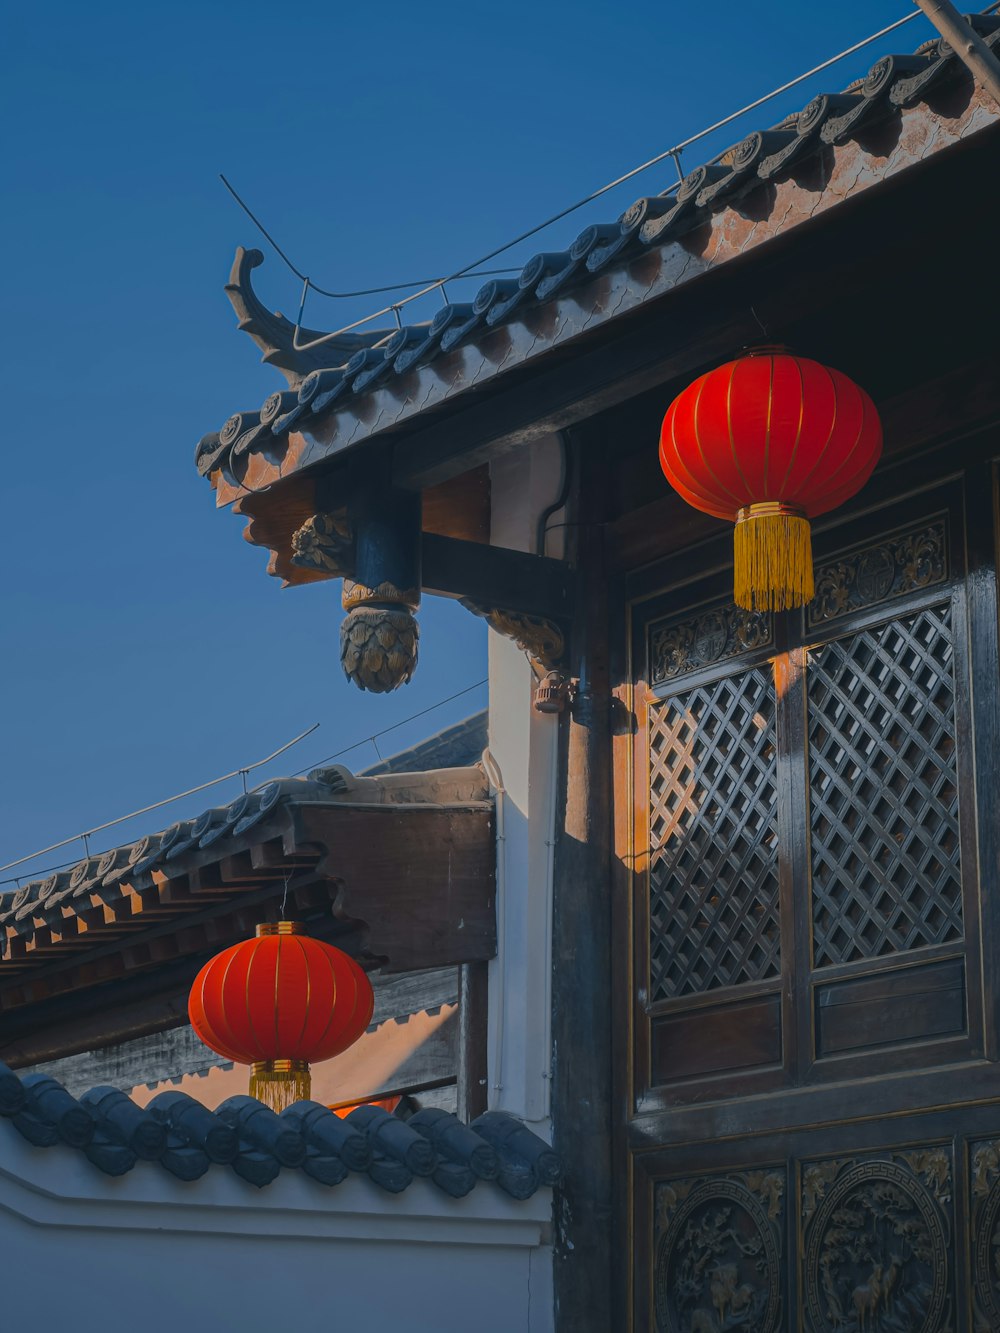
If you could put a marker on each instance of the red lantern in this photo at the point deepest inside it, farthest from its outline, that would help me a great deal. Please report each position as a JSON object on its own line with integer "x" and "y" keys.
{"x": 277, "y": 1002}
{"x": 769, "y": 441}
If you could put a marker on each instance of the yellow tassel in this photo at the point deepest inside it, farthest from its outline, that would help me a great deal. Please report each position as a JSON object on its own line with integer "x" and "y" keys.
{"x": 279, "y": 1083}
{"x": 773, "y": 558}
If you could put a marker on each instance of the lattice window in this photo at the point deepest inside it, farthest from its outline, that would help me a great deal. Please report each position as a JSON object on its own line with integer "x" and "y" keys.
{"x": 884, "y": 790}
{"x": 713, "y": 843}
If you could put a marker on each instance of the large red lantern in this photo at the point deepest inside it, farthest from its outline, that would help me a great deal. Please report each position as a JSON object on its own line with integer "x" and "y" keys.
{"x": 769, "y": 441}
{"x": 276, "y": 1003}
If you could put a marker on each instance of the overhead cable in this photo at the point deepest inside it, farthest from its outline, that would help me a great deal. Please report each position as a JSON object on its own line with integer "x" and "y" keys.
{"x": 237, "y": 772}
{"x": 468, "y": 269}
{"x": 169, "y": 800}
{"x": 395, "y": 727}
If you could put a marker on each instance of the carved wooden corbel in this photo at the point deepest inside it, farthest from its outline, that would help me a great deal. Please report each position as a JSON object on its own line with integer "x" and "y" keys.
{"x": 541, "y": 639}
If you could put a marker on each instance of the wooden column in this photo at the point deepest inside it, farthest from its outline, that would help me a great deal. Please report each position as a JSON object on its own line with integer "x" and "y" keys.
{"x": 581, "y": 933}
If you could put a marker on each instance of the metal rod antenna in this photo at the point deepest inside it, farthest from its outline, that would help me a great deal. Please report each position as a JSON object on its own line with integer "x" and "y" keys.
{"x": 965, "y": 42}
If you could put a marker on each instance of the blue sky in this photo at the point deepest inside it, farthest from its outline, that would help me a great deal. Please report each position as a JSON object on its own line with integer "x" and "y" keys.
{"x": 144, "y": 647}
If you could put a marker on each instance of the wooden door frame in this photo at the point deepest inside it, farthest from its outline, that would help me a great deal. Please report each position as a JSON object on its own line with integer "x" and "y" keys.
{"x": 634, "y": 1147}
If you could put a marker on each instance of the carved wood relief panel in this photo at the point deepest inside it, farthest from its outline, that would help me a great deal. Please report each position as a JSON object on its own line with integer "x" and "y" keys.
{"x": 877, "y": 1236}
{"x": 865, "y": 1243}
{"x": 684, "y": 644}
{"x": 985, "y": 1232}
{"x": 719, "y": 1253}
{"x": 905, "y": 562}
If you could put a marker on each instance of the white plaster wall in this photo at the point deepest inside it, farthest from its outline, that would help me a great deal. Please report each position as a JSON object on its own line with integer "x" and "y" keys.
{"x": 86, "y": 1252}
{"x": 523, "y": 746}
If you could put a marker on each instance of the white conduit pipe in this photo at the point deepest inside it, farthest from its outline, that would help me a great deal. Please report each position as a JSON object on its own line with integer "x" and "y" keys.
{"x": 496, "y": 782}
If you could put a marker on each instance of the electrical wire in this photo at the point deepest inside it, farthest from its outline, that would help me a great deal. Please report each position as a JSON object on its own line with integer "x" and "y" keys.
{"x": 169, "y": 800}
{"x": 237, "y": 772}
{"x": 467, "y": 270}
{"x": 343, "y": 296}
{"x": 41, "y": 874}
{"x": 395, "y": 727}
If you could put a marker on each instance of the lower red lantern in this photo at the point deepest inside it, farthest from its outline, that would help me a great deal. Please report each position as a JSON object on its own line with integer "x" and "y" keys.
{"x": 278, "y": 1002}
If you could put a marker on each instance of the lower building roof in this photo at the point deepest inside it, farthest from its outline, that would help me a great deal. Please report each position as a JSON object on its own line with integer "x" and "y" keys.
{"x": 398, "y": 870}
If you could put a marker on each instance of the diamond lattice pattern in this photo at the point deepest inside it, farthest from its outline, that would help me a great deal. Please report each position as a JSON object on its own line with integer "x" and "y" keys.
{"x": 884, "y": 792}
{"x": 713, "y": 844}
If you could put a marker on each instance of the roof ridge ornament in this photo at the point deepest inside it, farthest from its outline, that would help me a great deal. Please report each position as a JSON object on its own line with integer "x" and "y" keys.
{"x": 275, "y": 335}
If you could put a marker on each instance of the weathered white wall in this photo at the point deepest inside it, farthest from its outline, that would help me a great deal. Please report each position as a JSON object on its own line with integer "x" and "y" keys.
{"x": 523, "y": 746}
{"x": 94, "y": 1254}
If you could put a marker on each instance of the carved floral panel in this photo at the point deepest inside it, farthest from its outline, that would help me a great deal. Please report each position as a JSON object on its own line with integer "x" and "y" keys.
{"x": 877, "y": 1238}
{"x": 719, "y": 1259}
{"x": 905, "y": 562}
{"x": 985, "y": 1201}
{"x": 677, "y": 647}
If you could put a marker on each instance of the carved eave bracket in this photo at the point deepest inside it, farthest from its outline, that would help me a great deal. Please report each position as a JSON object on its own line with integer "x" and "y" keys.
{"x": 325, "y": 543}
{"x": 542, "y": 640}
{"x": 275, "y": 335}
{"x": 375, "y": 544}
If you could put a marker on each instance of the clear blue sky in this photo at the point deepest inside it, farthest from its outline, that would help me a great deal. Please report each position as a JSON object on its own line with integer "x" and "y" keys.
{"x": 144, "y": 647}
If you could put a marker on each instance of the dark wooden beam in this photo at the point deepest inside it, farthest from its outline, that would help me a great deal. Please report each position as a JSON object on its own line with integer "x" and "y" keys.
{"x": 532, "y": 585}
{"x": 420, "y": 879}
{"x": 105, "y": 1015}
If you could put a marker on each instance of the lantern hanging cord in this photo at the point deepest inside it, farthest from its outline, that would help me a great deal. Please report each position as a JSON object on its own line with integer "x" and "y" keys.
{"x": 474, "y": 268}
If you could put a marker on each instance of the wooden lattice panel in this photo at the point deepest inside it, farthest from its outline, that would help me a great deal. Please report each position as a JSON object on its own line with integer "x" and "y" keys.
{"x": 713, "y": 909}
{"x": 883, "y": 790}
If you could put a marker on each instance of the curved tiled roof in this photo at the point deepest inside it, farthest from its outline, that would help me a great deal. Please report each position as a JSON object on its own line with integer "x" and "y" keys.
{"x": 325, "y": 378}
{"x": 136, "y": 872}
{"x": 186, "y": 1139}
{"x": 135, "y": 864}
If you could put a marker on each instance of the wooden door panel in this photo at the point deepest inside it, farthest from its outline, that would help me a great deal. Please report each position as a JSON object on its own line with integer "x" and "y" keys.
{"x": 890, "y": 1009}
{"x": 808, "y": 895}
{"x": 809, "y": 960}
{"x": 886, "y": 1226}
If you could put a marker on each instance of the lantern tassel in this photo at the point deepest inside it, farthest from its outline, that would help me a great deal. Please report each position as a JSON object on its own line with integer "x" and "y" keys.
{"x": 773, "y": 558}
{"x": 279, "y": 1083}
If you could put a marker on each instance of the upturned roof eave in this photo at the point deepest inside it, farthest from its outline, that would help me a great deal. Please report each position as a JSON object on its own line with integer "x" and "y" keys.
{"x": 797, "y": 186}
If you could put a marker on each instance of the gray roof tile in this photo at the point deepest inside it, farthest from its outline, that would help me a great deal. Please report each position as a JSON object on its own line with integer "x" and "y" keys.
{"x": 185, "y": 1139}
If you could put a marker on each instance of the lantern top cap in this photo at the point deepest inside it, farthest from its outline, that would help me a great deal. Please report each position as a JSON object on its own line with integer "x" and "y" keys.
{"x": 279, "y": 928}
{"x": 766, "y": 349}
